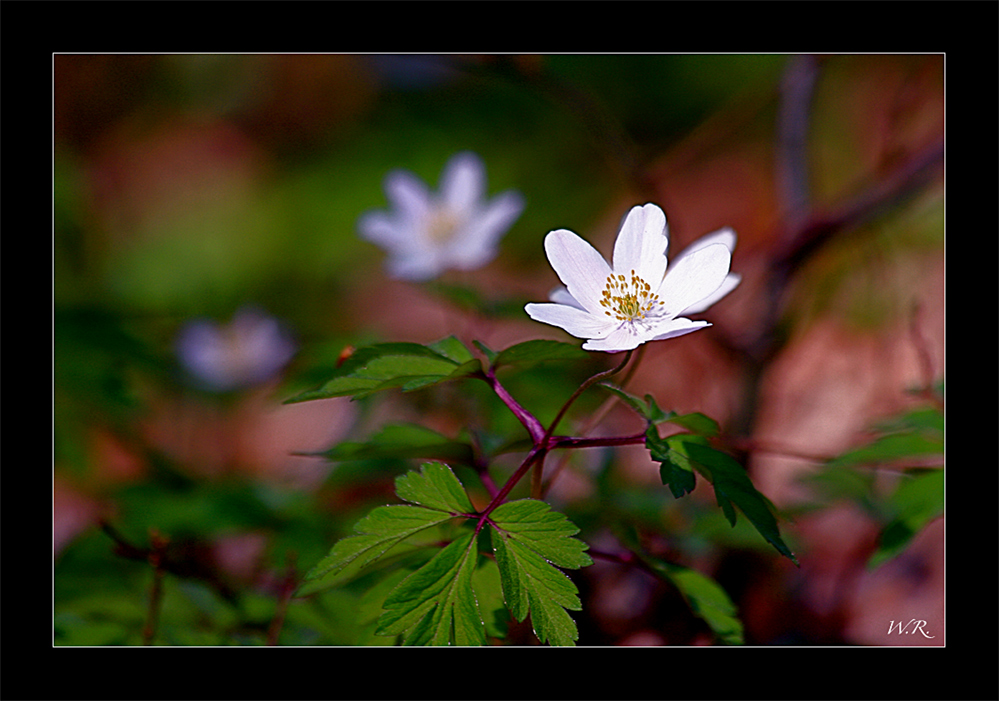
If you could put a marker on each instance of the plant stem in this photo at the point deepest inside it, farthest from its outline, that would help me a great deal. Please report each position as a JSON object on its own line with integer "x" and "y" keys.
{"x": 155, "y": 558}
{"x": 584, "y": 442}
{"x": 596, "y": 418}
{"x": 530, "y": 422}
{"x": 288, "y": 585}
{"x": 536, "y": 491}
{"x": 583, "y": 387}
{"x": 537, "y": 452}
{"x": 542, "y": 438}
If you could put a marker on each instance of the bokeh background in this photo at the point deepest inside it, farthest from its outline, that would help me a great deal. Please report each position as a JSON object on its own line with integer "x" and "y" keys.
{"x": 192, "y": 188}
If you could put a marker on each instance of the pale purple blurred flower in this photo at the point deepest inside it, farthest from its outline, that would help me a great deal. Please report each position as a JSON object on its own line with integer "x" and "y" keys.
{"x": 248, "y": 351}
{"x": 621, "y": 306}
{"x": 427, "y": 233}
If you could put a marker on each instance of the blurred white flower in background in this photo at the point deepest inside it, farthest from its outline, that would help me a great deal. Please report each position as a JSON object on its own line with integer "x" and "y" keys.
{"x": 427, "y": 233}
{"x": 248, "y": 351}
{"x": 620, "y": 307}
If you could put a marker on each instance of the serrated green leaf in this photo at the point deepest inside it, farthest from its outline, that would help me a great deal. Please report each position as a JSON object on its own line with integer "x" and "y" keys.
{"x": 646, "y": 408}
{"x": 547, "y": 532}
{"x": 734, "y": 488}
{"x": 529, "y": 540}
{"x": 389, "y": 365}
{"x": 383, "y": 530}
{"x": 436, "y": 496}
{"x": 538, "y": 351}
{"x": 452, "y": 348}
{"x": 489, "y": 595}
{"x": 419, "y": 382}
{"x": 434, "y": 487}
{"x": 676, "y": 468}
{"x": 532, "y": 585}
{"x": 403, "y": 441}
{"x": 436, "y": 605}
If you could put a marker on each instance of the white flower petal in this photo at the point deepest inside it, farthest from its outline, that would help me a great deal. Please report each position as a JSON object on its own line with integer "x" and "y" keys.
{"x": 561, "y": 295}
{"x": 408, "y": 194}
{"x": 463, "y": 182}
{"x": 694, "y": 278}
{"x": 621, "y": 339}
{"x": 379, "y": 227}
{"x": 678, "y": 327}
{"x": 641, "y": 244}
{"x": 579, "y": 266}
{"x": 725, "y": 236}
{"x": 477, "y": 243}
{"x": 576, "y": 322}
{"x": 622, "y": 315}
{"x": 731, "y": 281}
{"x": 426, "y": 233}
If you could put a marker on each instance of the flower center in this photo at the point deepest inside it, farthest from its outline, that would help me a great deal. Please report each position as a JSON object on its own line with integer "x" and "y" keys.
{"x": 628, "y": 299}
{"x": 441, "y": 224}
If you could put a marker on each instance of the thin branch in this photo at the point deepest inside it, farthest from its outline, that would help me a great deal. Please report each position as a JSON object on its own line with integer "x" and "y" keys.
{"x": 156, "y": 558}
{"x": 536, "y": 487}
{"x": 595, "y": 419}
{"x": 534, "y": 427}
{"x": 288, "y": 585}
{"x": 583, "y": 387}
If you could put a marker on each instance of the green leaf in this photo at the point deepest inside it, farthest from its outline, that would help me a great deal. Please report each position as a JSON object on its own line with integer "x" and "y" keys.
{"x": 489, "y": 594}
{"x": 695, "y": 422}
{"x": 646, "y": 408}
{"x": 891, "y": 448}
{"x": 486, "y": 351}
{"x": 539, "y": 351}
{"x": 704, "y": 595}
{"x": 845, "y": 483}
{"x": 916, "y": 434}
{"x": 709, "y": 601}
{"x": 440, "y": 603}
{"x": 926, "y": 420}
{"x": 918, "y": 500}
{"x": 452, "y": 348}
{"x": 435, "y": 487}
{"x": 676, "y": 468}
{"x": 403, "y": 441}
{"x": 547, "y": 532}
{"x": 529, "y": 540}
{"x": 382, "y": 366}
{"x": 436, "y": 495}
{"x": 734, "y": 488}
{"x": 706, "y": 599}
{"x": 378, "y": 533}
{"x": 650, "y": 411}
{"x": 436, "y": 605}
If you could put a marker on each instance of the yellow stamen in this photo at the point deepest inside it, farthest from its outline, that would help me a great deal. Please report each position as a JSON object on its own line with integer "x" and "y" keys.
{"x": 628, "y": 300}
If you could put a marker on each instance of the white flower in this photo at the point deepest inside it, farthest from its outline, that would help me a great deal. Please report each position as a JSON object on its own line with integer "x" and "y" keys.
{"x": 426, "y": 234}
{"x": 637, "y": 300}
{"x": 248, "y": 351}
